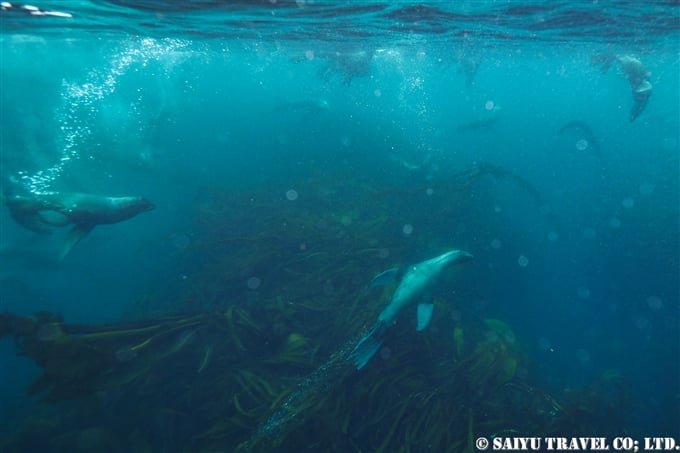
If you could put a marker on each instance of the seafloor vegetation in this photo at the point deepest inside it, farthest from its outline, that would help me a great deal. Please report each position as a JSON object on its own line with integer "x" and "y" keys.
{"x": 258, "y": 362}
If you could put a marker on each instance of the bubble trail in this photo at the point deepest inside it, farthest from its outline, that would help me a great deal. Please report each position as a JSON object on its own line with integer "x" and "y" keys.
{"x": 310, "y": 388}
{"x": 80, "y": 103}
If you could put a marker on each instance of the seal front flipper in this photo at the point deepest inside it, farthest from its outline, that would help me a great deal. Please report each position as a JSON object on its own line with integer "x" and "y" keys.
{"x": 640, "y": 98}
{"x": 74, "y": 236}
{"x": 388, "y": 277}
{"x": 424, "y": 315}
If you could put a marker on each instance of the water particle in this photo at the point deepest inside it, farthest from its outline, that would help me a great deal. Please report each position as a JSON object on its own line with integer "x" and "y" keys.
{"x": 253, "y": 283}
{"x": 496, "y": 244}
{"x": 407, "y": 229}
{"x": 655, "y": 303}
{"x": 628, "y": 203}
{"x": 292, "y": 195}
{"x": 309, "y": 55}
{"x": 377, "y": 93}
{"x": 489, "y": 105}
{"x": 647, "y": 188}
{"x": 523, "y": 261}
{"x": 582, "y": 145}
{"x": 583, "y": 292}
{"x": 641, "y": 322}
{"x": 589, "y": 233}
{"x": 429, "y": 192}
{"x": 583, "y": 355}
{"x": 385, "y": 353}
{"x": 614, "y": 222}
{"x": 553, "y": 236}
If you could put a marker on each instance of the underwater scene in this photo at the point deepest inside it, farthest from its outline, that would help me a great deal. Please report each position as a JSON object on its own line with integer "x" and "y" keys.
{"x": 353, "y": 226}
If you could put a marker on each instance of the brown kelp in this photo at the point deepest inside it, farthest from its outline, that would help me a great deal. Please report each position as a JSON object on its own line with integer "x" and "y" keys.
{"x": 260, "y": 362}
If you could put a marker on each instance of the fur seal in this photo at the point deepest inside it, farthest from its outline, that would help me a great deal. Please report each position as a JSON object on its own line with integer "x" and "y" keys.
{"x": 414, "y": 284}
{"x": 44, "y": 211}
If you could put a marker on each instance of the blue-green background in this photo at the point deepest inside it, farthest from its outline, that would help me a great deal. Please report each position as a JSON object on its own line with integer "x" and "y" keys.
{"x": 175, "y": 115}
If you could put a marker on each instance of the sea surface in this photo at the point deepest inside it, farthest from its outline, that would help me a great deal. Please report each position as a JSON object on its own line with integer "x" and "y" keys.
{"x": 293, "y": 150}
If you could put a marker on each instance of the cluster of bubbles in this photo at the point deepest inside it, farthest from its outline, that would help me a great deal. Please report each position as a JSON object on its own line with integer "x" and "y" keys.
{"x": 80, "y": 102}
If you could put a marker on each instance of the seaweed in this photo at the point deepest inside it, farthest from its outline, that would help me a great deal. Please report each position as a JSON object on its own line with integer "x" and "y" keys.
{"x": 263, "y": 364}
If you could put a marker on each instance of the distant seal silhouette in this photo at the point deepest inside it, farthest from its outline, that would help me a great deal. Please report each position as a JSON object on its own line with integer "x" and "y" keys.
{"x": 44, "y": 211}
{"x": 637, "y": 75}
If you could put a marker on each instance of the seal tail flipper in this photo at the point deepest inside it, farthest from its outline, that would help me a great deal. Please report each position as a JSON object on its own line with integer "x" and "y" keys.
{"x": 368, "y": 346}
{"x": 73, "y": 237}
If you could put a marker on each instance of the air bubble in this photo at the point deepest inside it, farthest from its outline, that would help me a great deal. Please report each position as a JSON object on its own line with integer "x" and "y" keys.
{"x": 407, "y": 229}
{"x": 253, "y": 283}
{"x": 292, "y": 195}
{"x": 523, "y": 261}
{"x": 655, "y": 303}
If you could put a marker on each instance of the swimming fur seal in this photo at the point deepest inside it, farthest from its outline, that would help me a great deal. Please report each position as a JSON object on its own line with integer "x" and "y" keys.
{"x": 44, "y": 211}
{"x": 637, "y": 75}
{"x": 414, "y": 284}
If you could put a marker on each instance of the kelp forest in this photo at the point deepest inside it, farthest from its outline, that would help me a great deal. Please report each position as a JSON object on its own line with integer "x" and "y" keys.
{"x": 259, "y": 361}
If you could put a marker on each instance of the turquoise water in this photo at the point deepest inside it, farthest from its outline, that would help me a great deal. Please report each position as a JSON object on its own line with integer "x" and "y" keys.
{"x": 173, "y": 103}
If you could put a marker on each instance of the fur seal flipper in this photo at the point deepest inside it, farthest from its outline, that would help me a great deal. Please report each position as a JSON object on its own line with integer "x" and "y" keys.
{"x": 73, "y": 237}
